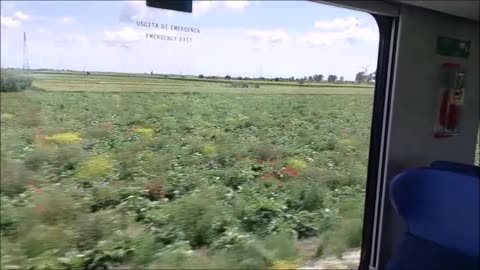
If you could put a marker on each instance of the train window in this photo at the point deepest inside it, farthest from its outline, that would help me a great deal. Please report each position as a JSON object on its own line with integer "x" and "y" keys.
{"x": 477, "y": 152}
{"x": 229, "y": 137}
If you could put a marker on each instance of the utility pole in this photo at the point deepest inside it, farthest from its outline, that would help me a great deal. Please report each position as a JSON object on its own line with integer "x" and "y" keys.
{"x": 26, "y": 66}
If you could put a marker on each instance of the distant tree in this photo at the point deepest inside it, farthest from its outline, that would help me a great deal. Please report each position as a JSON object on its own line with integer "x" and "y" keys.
{"x": 239, "y": 78}
{"x": 201, "y": 76}
{"x": 151, "y": 73}
{"x": 342, "y": 79}
{"x": 332, "y": 78}
{"x": 262, "y": 78}
{"x": 360, "y": 77}
{"x": 277, "y": 79}
{"x": 88, "y": 73}
{"x": 370, "y": 77}
{"x": 310, "y": 78}
{"x": 228, "y": 77}
{"x": 318, "y": 77}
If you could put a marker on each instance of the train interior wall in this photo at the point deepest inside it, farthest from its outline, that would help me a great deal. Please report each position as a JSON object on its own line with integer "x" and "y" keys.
{"x": 416, "y": 85}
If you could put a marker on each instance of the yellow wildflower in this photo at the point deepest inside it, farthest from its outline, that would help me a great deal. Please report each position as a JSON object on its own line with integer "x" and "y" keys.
{"x": 209, "y": 150}
{"x": 297, "y": 164}
{"x": 146, "y": 132}
{"x": 283, "y": 265}
{"x": 98, "y": 166}
{"x": 66, "y": 138}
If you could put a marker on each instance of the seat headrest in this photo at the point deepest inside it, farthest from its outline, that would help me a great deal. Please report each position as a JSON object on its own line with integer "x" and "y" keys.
{"x": 440, "y": 206}
{"x": 456, "y": 167}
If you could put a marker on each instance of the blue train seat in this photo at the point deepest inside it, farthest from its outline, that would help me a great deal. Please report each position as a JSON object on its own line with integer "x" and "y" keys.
{"x": 456, "y": 167}
{"x": 441, "y": 212}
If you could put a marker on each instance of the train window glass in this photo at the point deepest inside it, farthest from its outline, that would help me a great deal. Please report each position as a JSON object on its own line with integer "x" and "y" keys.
{"x": 236, "y": 136}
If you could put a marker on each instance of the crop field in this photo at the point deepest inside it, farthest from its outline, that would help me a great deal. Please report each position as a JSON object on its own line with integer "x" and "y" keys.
{"x": 104, "y": 83}
{"x": 135, "y": 172}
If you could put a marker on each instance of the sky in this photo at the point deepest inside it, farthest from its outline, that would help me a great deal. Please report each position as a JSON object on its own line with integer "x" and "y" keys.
{"x": 237, "y": 38}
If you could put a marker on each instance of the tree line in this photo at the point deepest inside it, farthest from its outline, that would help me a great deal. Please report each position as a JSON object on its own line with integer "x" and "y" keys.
{"x": 360, "y": 77}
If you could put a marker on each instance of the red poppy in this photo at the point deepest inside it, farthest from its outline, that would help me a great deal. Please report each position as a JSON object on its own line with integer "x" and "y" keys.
{"x": 41, "y": 208}
{"x": 290, "y": 171}
{"x": 268, "y": 177}
{"x": 31, "y": 183}
{"x": 107, "y": 125}
{"x": 154, "y": 190}
{"x": 273, "y": 163}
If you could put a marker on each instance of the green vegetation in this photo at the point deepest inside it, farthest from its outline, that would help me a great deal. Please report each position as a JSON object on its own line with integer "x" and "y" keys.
{"x": 178, "y": 177}
{"x": 145, "y": 83}
{"x": 14, "y": 82}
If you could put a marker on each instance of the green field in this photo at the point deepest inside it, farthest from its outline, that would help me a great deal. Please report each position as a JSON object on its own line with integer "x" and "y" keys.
{"x": 141, "y": 172}
{"x": 137, "y": 83}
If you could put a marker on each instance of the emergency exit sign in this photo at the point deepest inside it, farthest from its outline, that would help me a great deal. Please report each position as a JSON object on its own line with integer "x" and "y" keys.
{"x": 453, "y": 47}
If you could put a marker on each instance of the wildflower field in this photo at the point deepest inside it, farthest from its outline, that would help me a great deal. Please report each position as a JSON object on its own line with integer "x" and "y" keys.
{"x": 198, "y": 178}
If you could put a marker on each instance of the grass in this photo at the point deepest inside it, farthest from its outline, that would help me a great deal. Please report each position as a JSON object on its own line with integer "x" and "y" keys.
{"x": 103, "y": 83}
{"x": 189, "y": 78}
{"x": 138, "y": 172}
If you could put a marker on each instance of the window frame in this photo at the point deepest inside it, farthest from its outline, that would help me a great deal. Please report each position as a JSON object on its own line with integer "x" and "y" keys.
{"x": 380, "y": 126}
